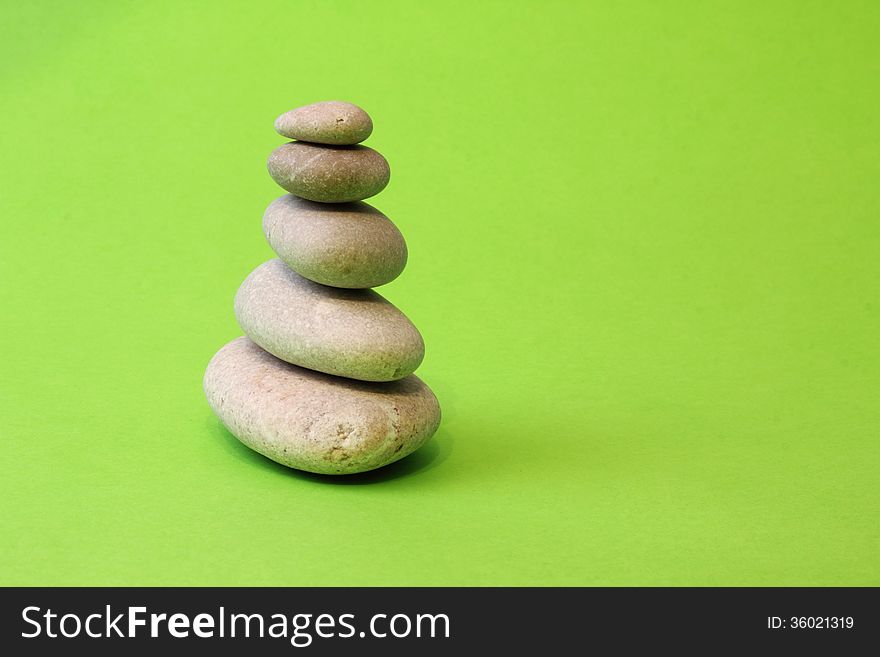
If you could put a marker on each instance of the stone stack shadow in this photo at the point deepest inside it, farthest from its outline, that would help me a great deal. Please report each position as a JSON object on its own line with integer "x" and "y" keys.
{"x": 323, "y": 379}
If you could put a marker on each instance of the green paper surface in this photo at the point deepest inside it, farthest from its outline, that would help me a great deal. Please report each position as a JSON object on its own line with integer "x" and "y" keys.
{"x": 644, "y": 256}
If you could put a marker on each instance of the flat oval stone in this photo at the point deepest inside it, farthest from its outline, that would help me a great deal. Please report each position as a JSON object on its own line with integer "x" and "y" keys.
{"x": 311, "y": 421}
{"x": 351, "y": 333}
{"x": 330, "y": 122}
{"x": 350, "y": 245}
{"x": 329, "y": 174}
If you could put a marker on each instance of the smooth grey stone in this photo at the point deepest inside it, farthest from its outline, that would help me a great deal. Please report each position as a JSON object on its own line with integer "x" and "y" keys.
{"x": 315, "y": 422}
{"x": 329, "y": 122}
{"x": 350, "y": 245}
{"x": 329, "y": 174}
{"x": 351, "y": 333}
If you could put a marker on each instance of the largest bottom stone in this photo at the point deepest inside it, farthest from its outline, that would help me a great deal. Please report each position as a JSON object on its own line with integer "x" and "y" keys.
{"x": 313, "y": 421}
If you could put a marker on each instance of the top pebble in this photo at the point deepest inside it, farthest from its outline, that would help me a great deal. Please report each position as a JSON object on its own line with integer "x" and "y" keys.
{"x": 331, "y": 122}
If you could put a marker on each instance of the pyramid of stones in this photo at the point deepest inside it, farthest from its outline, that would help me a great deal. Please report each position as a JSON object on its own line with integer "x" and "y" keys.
{"x": 323, "y": 378}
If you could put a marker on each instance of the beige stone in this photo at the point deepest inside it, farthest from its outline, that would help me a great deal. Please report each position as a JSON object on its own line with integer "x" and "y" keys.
{"x": 351, "y": 333}
{"x": 315, "y": 422}
{"x": 350, "y": 245}
{"x": 329, "y": 174}
{"x": 329, "y": 122}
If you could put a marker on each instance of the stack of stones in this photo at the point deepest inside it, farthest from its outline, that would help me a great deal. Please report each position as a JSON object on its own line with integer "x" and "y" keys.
{"x": 322, "y": 380}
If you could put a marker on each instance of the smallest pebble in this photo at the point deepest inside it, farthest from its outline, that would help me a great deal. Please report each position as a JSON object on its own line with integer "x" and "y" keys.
{"x": 332, "y": 122}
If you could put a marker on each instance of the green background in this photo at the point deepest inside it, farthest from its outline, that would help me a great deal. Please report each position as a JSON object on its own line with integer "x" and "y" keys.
{"x": 644, "y": 250}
